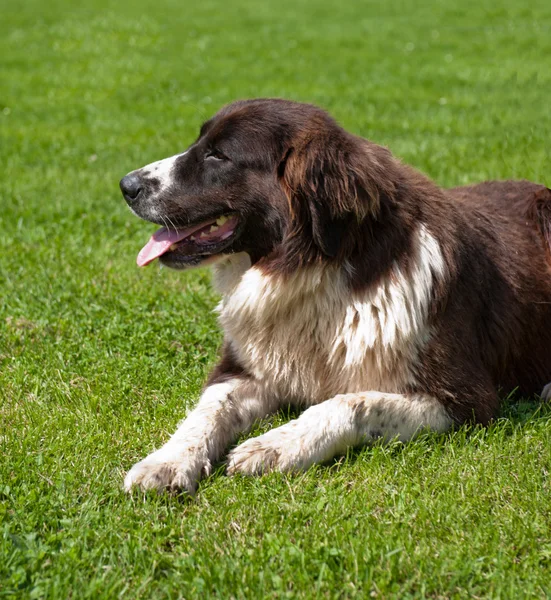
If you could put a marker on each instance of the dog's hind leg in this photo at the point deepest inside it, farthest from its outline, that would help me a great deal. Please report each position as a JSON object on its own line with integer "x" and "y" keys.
{"x": 546, "y": 393}
{"x": 329, "y": 428}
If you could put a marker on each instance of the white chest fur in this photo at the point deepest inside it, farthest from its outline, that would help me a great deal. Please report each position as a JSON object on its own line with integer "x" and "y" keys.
{"x": 308, "y": 337}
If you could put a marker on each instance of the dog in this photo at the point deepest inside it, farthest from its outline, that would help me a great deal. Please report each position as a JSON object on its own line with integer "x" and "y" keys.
{"x": 352, "y": 286}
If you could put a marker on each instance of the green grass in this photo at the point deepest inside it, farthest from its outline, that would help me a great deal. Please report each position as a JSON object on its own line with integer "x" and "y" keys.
{"x": 100, "y": 360}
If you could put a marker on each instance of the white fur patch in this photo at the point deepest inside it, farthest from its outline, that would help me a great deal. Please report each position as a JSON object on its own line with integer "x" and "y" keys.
{"x": 328, "y": 429}
{"x": 224, "y": 410}
{"x": 309, "y": 337}
{"x": 229, "y": 271}
{"x": 394, "y": 313}
{"x": 162, "y": 171}
{"x": 546, "y": 393}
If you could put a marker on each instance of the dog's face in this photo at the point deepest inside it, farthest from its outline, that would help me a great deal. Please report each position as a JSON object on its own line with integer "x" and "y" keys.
{"x": 260, "y": 172}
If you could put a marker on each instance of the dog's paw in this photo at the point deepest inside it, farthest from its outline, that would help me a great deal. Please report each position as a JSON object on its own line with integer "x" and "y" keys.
{"x": 277, "y": 450}
{"x": 546, "y": 393}
{"x": 169, "y": 469}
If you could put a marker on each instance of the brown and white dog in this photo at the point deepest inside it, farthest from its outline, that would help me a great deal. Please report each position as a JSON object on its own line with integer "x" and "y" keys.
{"x": 351, "y": 284}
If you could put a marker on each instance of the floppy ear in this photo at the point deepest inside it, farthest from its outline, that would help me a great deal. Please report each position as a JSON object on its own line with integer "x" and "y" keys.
{"x": 330, "y": 180}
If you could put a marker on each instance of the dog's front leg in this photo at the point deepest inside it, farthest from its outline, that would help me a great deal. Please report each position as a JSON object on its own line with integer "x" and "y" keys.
{"x": 224, "y": 410}
{"x": 328, "y": 429}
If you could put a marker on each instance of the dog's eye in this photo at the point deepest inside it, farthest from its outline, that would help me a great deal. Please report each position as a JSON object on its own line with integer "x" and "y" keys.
{"x": 216, "y": 154}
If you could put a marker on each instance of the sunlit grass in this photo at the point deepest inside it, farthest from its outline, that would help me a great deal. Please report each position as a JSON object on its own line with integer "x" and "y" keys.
{"x": 100, "y": 360}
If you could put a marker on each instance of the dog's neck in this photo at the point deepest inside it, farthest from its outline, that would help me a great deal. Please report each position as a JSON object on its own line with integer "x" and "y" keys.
{"x": 227, "y": 272}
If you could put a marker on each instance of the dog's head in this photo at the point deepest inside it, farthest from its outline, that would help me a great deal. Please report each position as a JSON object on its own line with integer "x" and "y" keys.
{"x": 263, "y": 176}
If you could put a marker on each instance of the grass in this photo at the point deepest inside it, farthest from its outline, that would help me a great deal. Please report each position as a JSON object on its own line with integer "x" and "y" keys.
{"x": 100, "y": 360}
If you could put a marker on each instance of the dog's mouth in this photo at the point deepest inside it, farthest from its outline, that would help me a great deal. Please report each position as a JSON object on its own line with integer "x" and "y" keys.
{"x": 192, "y": 245}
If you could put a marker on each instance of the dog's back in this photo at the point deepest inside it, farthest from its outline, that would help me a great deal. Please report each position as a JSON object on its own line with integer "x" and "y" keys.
{"x": 516, "y": 217}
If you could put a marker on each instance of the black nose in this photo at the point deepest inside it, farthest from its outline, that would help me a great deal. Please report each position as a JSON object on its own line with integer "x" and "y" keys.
{"x": 131, "y": 186}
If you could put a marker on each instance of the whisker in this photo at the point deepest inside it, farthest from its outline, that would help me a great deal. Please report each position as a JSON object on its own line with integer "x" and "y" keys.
{"x": 172, "y": 223}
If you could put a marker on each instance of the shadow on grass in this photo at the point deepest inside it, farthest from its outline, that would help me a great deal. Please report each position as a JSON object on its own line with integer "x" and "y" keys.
{"x": 521, "y": 410}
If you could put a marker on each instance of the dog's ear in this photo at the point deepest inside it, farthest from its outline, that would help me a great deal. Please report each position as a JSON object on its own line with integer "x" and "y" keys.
{"x": 331, "y": 181}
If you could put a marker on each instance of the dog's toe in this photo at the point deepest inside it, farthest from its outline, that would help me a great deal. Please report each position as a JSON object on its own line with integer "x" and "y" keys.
{"x": 159, "y": 472}
{"x": 163, "y": 476}
{"x": 280, "y": 449}
{"x": 253, "y": 458}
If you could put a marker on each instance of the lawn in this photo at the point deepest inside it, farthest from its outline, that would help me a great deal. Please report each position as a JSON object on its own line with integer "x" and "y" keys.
{"x": 99, "y": 360}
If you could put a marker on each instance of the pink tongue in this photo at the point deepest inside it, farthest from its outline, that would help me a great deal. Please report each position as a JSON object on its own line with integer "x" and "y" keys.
{"x": 161, "y": 241}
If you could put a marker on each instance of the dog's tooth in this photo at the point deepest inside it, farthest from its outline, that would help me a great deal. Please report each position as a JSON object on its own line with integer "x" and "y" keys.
{"x": 213, "y": 228}
{"x": 221, "y": 220}
{"x": 204, "y": 235}
{"x": 173, "y": 247}
{"x": 192, "y": 238}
